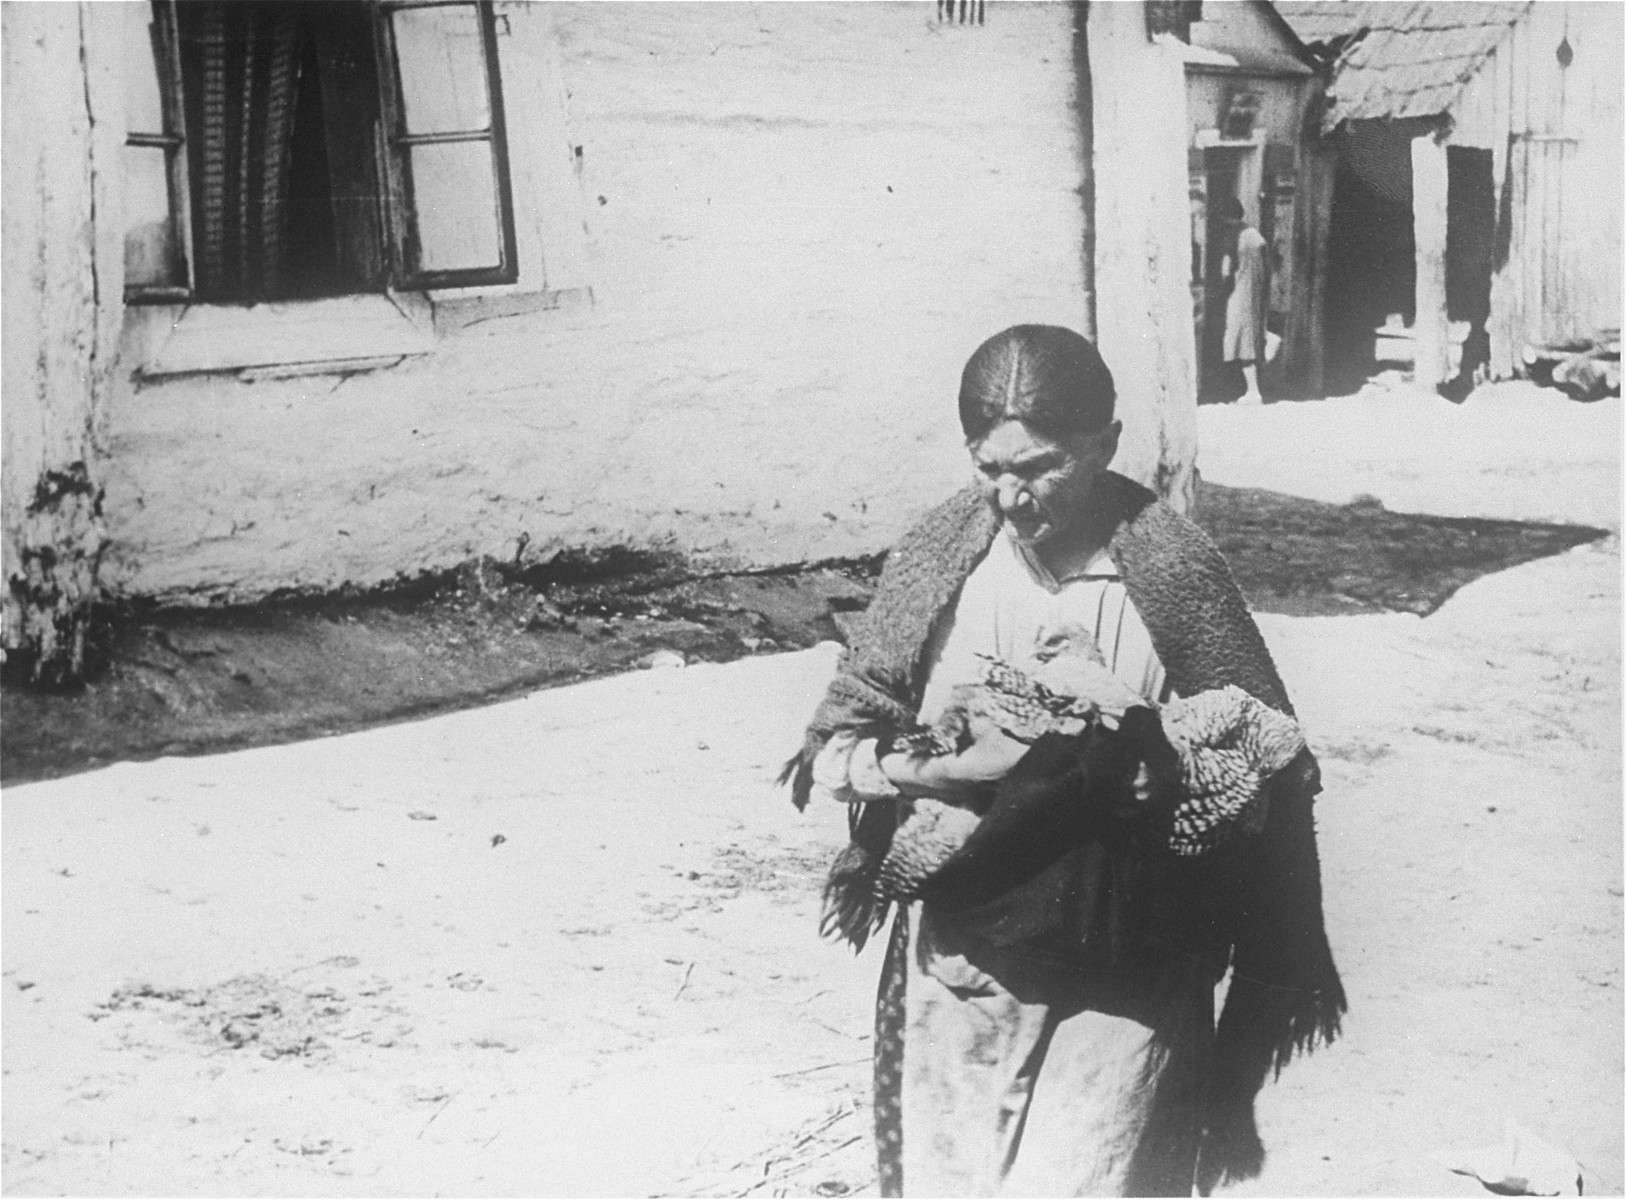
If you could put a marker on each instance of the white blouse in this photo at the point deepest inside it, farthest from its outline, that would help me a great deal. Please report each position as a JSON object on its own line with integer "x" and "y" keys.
{"x": 1010, "y": 598}
{"x": 1006, "y": 602}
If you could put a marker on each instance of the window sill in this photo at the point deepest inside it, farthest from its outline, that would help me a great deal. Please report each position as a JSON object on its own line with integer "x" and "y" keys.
{"x": 460, "y": 308}
{"x": 339, "y": 333}
{"x": 1210, "y": 139}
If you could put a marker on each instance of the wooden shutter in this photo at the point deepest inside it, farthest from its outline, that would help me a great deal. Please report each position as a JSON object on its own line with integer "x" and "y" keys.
{"x": 450, "y": 205}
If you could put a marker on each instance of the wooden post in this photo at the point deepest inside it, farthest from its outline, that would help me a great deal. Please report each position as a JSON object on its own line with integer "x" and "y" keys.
{"x": 1142, "y": 259}
{"x": 1084, "y": 117}
{"x": 1302, "y": 366}
{"x": 1431, "y": 330}
{"x": 1319, "y": 170}
{"x": 62, "y": 284}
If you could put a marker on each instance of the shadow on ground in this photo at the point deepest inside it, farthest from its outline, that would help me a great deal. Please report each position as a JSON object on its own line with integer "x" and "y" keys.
{"x": 188, "y": 682}
{"x": 1307, "y": 558}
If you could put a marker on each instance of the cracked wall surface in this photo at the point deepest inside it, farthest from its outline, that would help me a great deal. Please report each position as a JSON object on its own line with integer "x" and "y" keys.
{"x": 801, "y": 219}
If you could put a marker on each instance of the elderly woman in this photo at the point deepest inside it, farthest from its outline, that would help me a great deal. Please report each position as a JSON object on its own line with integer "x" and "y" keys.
{"x": 1052, "y": 1031}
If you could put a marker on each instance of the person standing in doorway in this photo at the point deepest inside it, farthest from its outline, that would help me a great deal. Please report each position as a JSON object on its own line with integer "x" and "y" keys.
{"x": 1247, "y": 271}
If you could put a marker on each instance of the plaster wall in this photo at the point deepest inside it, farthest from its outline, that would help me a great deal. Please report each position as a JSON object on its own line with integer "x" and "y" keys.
{"x": 1281, "y": 103}
{"x": 1250, "y": 34}
{"x": 800, "y": 220}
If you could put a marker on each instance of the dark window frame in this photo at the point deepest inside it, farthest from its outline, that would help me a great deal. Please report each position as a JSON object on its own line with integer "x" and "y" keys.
{"x": 400, "y": 209}
{"x": 399, "y": 234}
{"x": 166, "y": 50}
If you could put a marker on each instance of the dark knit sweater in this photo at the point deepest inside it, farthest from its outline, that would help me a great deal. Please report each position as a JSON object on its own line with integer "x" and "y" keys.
{"x": 1261, "y": 897}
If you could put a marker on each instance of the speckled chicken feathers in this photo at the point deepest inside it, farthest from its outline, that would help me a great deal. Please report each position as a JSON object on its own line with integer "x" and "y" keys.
{"x": 927, "y": 836}
{"x": 1020, "y": 705}
{"x": 1229, "y": 744}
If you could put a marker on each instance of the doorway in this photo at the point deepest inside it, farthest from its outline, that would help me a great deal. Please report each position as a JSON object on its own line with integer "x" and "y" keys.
{"x": 1219, "y": 174}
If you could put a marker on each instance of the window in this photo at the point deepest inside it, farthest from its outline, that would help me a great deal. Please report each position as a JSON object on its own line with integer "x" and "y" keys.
{"x": 157, "y": 226}
{"x": 1241, "y": 111}
{"x": 315, "y": 148}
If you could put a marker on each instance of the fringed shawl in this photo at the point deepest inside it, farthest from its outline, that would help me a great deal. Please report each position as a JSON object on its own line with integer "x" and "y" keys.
{"x": 1285, "y": 995}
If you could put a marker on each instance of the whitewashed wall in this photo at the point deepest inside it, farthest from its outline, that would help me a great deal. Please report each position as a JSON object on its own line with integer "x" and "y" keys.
{"x": 62, "y": 232}
{"x": 802, "y": 217}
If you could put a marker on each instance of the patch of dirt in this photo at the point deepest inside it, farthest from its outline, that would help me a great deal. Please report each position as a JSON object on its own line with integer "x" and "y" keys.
{"x": 256, "y": 1014}
{"x": 191, "y": 682}
{"x": 188, "y": 682}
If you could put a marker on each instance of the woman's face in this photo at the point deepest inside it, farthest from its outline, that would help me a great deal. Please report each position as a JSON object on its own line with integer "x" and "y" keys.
{"x": 1040, "y": 486}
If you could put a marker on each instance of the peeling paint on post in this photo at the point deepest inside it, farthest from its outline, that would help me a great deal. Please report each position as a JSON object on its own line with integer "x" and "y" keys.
{"x": 63, "y": 276}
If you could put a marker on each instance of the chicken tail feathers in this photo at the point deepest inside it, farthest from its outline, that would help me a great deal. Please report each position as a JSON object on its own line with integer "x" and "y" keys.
{"x": 852, "y": 909}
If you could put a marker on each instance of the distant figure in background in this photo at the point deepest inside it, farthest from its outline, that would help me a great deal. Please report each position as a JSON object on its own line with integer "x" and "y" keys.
{"x": 1248, "y": 271}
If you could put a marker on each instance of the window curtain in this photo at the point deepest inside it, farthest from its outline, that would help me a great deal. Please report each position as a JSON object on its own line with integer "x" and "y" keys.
{"x": 243, "y": 60}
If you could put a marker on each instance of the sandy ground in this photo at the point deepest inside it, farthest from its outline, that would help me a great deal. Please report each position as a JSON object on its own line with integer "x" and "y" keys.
{"x": 565, "y": 945}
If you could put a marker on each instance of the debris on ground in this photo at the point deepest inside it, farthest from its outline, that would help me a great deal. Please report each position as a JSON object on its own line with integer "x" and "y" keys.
{"x": 1584, "y": 369}
{"x": 1521, "y": 1164}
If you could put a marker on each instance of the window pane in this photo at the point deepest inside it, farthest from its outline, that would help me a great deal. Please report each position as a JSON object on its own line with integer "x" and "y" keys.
{"x": 443, "y": 73}
{"x": 454, "y": 196}
{"x": 143, "y": 105}
{"x": 149, "y": 235}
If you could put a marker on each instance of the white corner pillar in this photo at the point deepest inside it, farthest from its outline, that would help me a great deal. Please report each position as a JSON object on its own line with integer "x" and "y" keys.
{"x": 1142, "y": 224}
{"x": 60, "y": 308}
{"x": 1431, "y": 330}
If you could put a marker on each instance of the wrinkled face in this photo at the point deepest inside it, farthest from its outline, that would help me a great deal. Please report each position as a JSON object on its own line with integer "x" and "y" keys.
{"x": 1040, "y": 486}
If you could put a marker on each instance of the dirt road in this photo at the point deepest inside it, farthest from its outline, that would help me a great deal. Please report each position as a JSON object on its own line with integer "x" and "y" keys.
{"x": 564, "y": 945}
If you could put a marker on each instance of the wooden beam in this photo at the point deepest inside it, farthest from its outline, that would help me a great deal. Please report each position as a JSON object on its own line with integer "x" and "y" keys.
{"x": 1320, "y": 174}
{"x": 1431, "y": 330}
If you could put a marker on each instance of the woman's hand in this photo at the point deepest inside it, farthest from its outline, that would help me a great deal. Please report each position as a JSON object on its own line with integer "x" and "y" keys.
{"x": 989, "y": 758}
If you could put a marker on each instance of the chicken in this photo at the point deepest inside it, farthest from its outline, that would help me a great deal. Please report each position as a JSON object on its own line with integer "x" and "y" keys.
{"x": 1227, "y": 745}
{"x": 1048, "y": 692}
{"x": 925, "y": 839}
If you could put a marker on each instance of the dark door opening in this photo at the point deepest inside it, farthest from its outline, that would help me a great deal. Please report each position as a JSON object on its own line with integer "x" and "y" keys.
{"x": 1218, "y": 382}
{"x": 1470, "y": 253}
{"x": 1372, "y": 254}
{"x": 1222, "y": 181}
